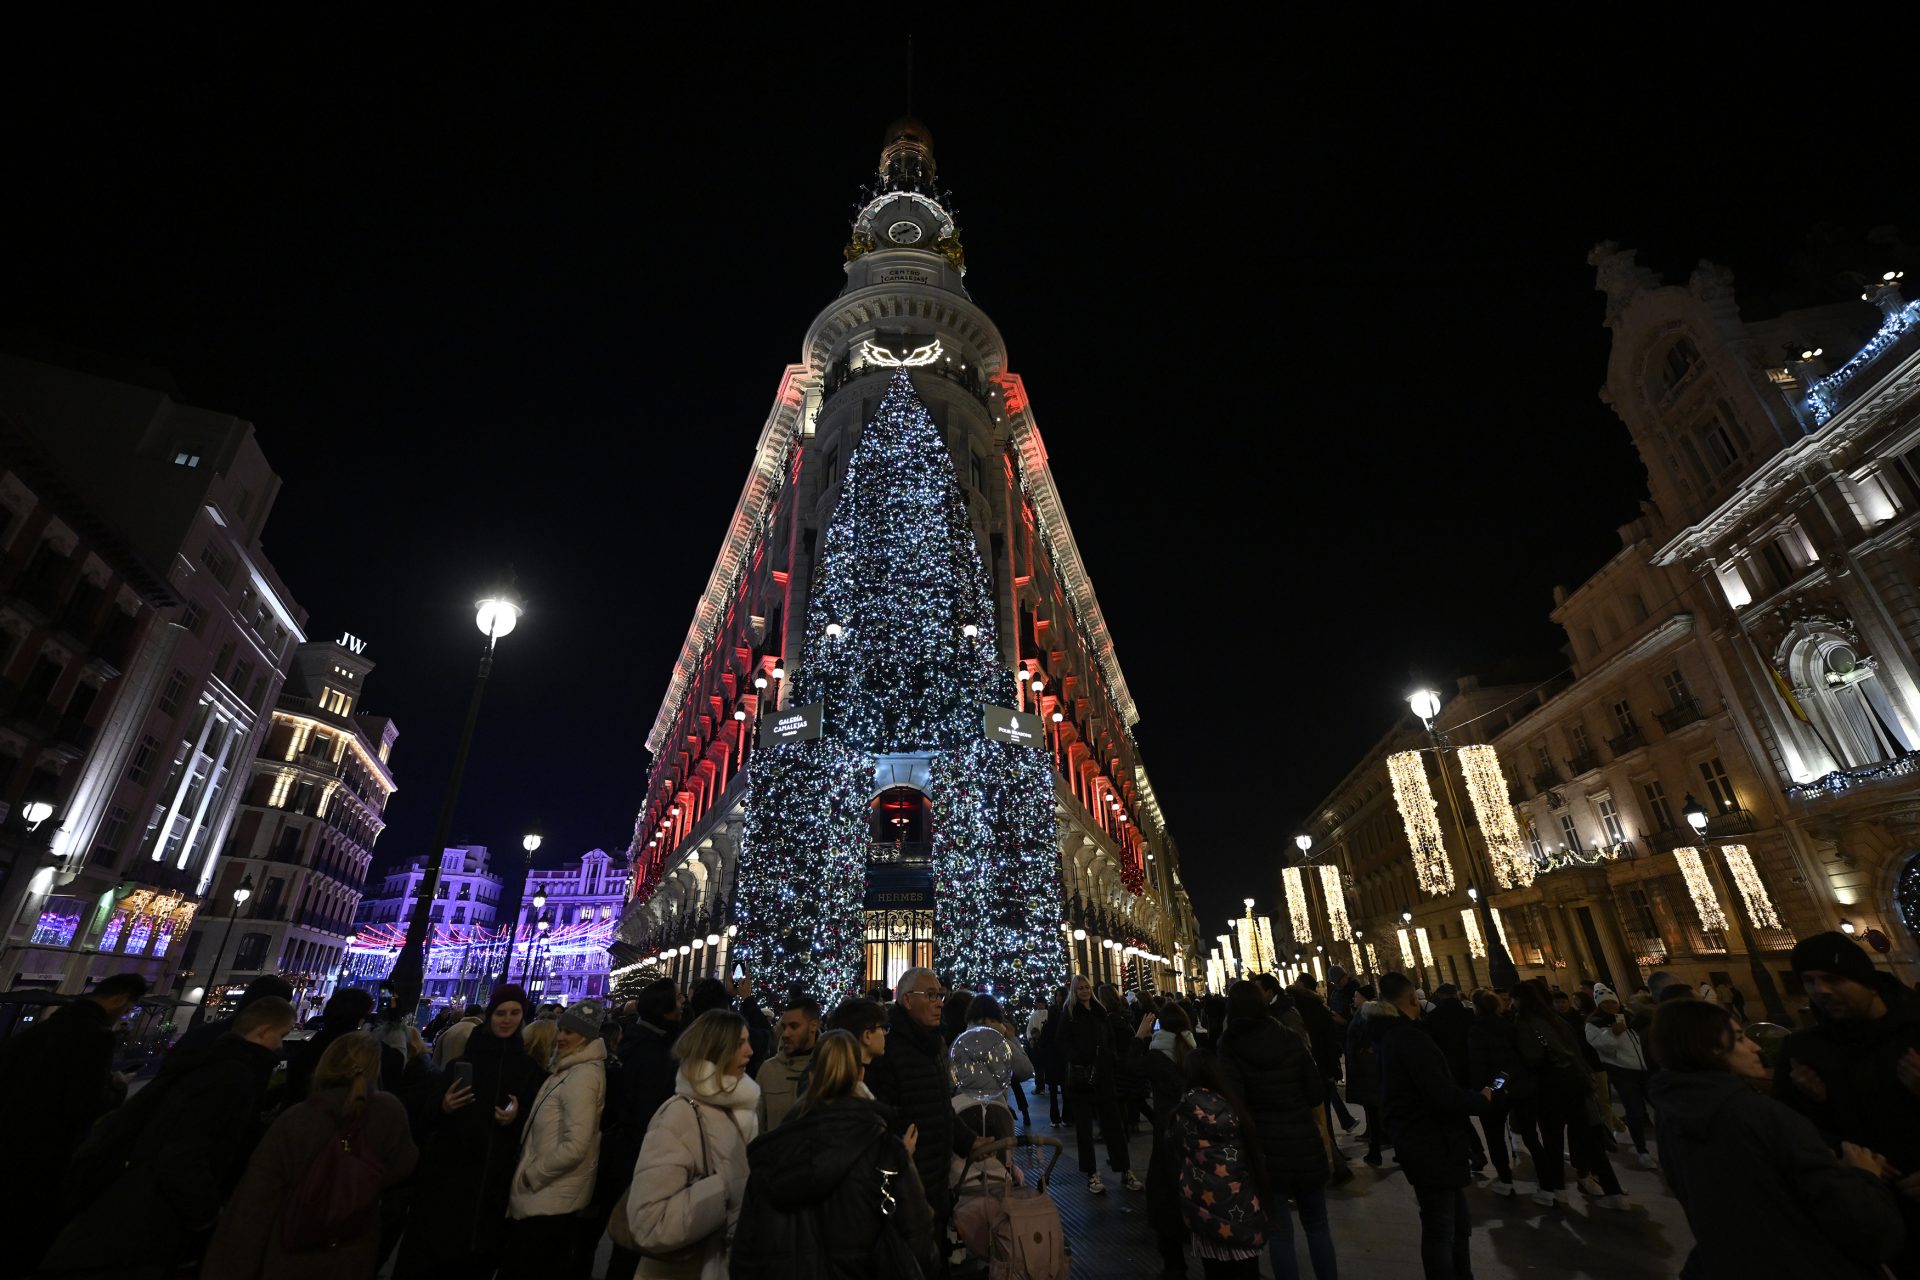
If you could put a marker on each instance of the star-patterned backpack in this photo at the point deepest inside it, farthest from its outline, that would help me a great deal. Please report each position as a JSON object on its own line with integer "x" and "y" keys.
{"x": 1218, "y": 1198}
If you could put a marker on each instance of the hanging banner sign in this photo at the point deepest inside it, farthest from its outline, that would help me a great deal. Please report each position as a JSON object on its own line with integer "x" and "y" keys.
{"x": 1015, "y": 728}
{"x": 795, "y": 724}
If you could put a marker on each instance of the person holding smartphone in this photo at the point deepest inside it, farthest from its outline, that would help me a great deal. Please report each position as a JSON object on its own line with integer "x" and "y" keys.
{"x": 472, "y": 1144}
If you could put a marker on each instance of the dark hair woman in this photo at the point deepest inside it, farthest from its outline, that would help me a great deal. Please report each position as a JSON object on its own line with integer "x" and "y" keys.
{"x": 1763, "y": 1192}
{"x": 1567, "y": 1103}
{"x": 1285, "y": 1094}
{"x": 1166, "y": 1059}
{"x": 1493, "y": 1051}
{"x": 1225, "y": 1193}
{"x": 459, "y": 1204}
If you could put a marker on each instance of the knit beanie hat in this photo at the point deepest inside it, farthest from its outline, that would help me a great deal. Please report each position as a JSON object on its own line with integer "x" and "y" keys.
{"x": 1603, "y": 993}
{"x": 584, "y": 1017}
{"x": 1833, "y": 952}
{"x": 507, "y": 993}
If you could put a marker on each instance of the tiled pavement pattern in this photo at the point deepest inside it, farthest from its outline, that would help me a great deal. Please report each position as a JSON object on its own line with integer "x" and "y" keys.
{"x": 1376, "y": 1225}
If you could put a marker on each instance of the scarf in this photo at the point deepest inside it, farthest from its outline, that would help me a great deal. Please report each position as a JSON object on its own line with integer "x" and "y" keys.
{"x": 1162, "y": 1042}
{"x": 703, "y": 1083}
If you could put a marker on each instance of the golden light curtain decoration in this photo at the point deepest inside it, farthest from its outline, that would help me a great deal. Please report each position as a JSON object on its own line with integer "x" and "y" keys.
{"x": 1426, "y": 950}
{"x": 1226, "y": 955}
{"x": 1712, "y": 918}
{"x": 1476, "y": 945}
{"x": 1265, "y": 934}
{"x": 1746, "y": 878}
{"x": 1406, "y": 949}
{"x": 1335, "y": 898}
{"x": 1373, "y": 959}
{"x": 1500, "y": 927}
{"x": 1414, "y": 796}
{"x": 1487, "y": 787}
{"x": 1299, "y": 913}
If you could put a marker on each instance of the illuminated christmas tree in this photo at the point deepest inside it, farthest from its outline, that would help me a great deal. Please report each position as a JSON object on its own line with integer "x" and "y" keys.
{"x": 900, "y": 648}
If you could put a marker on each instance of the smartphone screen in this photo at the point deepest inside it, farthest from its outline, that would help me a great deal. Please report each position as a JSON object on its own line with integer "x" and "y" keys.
{"x": 463, "y": 1072}
{"x": 1500, "y": 1082}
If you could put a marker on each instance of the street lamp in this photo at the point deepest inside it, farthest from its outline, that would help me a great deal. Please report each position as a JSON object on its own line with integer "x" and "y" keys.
{"x": 1425, "y": 703}
{"x": 1303, "y": 842}
{"x": 1847, "y": 927}
{"x": 530, "y": 842}
{"x": 36, "y": 812}
{"x": 1696, "y": 815}
{"x": 496, "y": 616}
{"x": 240, "y": 895}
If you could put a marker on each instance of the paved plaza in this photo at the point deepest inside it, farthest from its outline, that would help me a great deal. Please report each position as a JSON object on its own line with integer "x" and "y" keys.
{"x": 1376, "y": 1225}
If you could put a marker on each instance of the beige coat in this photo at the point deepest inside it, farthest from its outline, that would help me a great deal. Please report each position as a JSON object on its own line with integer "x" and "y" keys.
{"x": 779, "y": 1081}
{"x": 685, "y": 1192}
{"x": 560, "y": 1146}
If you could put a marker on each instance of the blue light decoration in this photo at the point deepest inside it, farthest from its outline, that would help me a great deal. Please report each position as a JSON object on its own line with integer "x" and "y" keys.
{"x": 887, "y": 651}
{"x": 1823, "y": 397}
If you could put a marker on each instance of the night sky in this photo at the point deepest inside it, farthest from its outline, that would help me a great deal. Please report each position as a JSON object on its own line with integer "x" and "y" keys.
{"x": 1307, "y": 328}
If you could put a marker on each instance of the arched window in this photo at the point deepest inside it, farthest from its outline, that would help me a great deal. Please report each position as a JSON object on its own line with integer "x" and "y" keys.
{"x": 1671, "y": 367}
{"x": 899, "y": 816}
{"x": 1906, "y": 893}
{"x": 1847, "y": 702}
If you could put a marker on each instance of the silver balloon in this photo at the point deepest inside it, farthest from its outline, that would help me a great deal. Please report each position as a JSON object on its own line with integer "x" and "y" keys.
{"x": 982, "y": 1063}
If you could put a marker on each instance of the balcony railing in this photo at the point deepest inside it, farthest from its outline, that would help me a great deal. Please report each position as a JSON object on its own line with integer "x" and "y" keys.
{"x": 1585, "y": 762}
{"x": 1546, "y": 780}
{"x": 1682, "y": 713}
{"x": 1667, "y": 841}
{"x": 900, "y": 853}
{"x": 1627, "y": 741}
{"x": 1731, "y": 823}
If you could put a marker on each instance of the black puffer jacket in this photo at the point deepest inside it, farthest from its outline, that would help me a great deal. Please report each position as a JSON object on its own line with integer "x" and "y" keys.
{"x": 1492, "y": 1050}
{"x": 1763, "y": 1193}
{"x": 1450, "y": 1025}
{"x": 1322, "y": 1033}
{"x": 1426, "y": 1112}
{"x": 156, "y": 1171}
{"x": 911, "y": 1077}
{"x": 812, "y": 1209}
{"x": 1281, "y": 1085}
{"x": 1086, "y": 1037}
{"x": 642, "y": 1081}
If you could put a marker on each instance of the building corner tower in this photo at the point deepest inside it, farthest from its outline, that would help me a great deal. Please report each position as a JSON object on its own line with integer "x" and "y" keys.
{"x": 899, "y": 559}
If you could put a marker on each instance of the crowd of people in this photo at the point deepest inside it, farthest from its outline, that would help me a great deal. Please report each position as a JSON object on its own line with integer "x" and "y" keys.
{"x": 699, "y": 1134}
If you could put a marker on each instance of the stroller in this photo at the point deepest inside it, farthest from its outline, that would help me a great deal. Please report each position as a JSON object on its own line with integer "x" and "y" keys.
{"x": 1009, "y": 1224}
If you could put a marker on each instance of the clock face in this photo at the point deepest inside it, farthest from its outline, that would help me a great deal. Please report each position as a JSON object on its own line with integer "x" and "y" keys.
{"x": 904, "y": 232}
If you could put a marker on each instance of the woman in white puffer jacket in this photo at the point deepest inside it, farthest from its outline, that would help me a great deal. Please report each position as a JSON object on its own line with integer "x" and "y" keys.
{"x": 560, "y": 1155}
{"x": 692, "y": 1173}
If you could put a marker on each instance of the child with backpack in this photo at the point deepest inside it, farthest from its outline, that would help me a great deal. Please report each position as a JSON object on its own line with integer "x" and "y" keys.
{"x": 1224, "y": 1195}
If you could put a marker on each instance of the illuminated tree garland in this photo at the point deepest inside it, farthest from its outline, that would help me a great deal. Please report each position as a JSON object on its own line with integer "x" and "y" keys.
{"x": 1414, "y": 796}
{"x": 1299, "y": 912}
{"x": 1406, "y": 949}
{"x": 1426, "y": 949}
{"x": 1712, "y": 918}
{"x": 1493, "y": 807}
{"x": 886, "y": 650}
{"x": 1746, "y": 877}
{"x": 1476, "y": 945}
{"x": 1335, "y": 898}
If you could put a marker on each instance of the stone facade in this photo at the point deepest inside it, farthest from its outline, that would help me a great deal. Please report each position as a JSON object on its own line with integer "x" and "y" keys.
{"x": 185, "y": 675}
{"x": 305, "y": 832}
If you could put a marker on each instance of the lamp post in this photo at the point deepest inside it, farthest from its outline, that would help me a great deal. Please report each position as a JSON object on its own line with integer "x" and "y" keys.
{"x": 539, "y": 922}
{"x": 496, "y": 617}
{"x": 1366, "y": 962}
{"x": 530, "y": 842}
{"x": 1501, "y": 974}
{"x": 240, "y": 895}
{"x": 1749, "y": 936}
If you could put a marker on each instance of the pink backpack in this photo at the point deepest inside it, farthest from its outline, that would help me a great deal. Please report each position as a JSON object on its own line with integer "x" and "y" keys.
{"x": 1016, "y": 1228}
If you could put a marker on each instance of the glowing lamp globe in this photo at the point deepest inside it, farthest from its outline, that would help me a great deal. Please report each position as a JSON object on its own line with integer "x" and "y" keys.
{"x": 1425, "y": 703}
{"x": 530, "y": 842}
{"x": 496, "y": 616}
{"x": 1303, "y": 842}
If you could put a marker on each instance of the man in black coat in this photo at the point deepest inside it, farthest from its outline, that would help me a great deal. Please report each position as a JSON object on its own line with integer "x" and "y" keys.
{"x": 56, "y": 1079}
{"x": 150, "y": 1180}
{"x": 912, "y": 1078}
{"x": 1451, "y": 1025}
{"x": 1427, "y": 1113}
{"x": 1856, "y": 1072}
